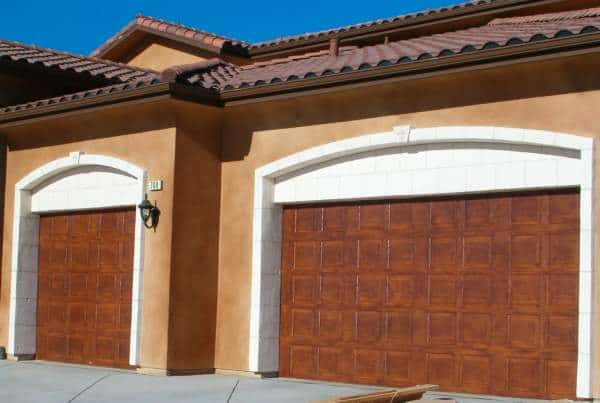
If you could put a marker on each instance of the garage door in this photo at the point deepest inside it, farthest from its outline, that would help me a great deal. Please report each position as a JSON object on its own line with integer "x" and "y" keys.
{"x": 84, "y": 288}
{"x": 476, "y": 294}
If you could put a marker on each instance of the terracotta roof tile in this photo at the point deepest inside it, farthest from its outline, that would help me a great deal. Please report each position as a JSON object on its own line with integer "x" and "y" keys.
{"x": 203, "y": 37}
{"x": 219, "y": 76}
{"x": 499, "y": 33}
{"x": 114, "y": 72}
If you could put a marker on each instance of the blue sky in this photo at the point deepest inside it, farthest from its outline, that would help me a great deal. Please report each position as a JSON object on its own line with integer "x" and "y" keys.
{"x": 79, "y": 26}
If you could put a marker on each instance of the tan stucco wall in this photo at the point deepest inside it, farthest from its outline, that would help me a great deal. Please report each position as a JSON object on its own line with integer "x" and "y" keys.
{"x": 148, "y": 142}
{"x": 195, "y": 238}
{"x": 558, "y": 96}
{"x": 158, "y": 55}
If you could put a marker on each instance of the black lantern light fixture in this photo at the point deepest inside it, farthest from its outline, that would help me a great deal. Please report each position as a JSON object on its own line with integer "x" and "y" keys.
{"x": 149, "y": 213}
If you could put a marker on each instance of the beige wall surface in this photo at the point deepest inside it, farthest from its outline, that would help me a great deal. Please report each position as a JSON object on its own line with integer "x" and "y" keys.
{"x": 158, "y": 55}
{"x": 194, "y": 272}
{"x": 148, "y": 143}
{"x": 553, "y": 95}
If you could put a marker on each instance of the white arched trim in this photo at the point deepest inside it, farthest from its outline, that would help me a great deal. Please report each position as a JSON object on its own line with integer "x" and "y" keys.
{"x": 25, "y": 243}
{"x": 536, "y": 160}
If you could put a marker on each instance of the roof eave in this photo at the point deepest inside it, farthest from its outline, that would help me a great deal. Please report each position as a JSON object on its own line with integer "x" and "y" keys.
{"x": 558, "y": 47}
{"x": 542, "y": 50}
{"x": 147, "y": 93}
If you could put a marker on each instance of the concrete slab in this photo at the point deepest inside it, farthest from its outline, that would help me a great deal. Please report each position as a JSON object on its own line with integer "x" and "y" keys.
{"x": 35, "y": 381}
{"x": 32, "y": 381}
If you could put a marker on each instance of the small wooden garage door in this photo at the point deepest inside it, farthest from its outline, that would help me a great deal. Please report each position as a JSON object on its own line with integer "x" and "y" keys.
{"x": 476, "y": 294}
{"x": 84, "y": 288}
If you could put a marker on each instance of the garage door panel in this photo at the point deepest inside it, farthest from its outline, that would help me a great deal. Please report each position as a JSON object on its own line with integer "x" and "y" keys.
{"x": 84, "y": 298}
{"x": 473, "y": 293}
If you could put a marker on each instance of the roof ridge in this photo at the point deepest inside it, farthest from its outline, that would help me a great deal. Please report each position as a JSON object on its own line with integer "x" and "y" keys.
{"x": 179, "y": 24}
{"x": 429, "y": 11}
{"x": 141, "y": 19}
{"x": 548, "y": 17}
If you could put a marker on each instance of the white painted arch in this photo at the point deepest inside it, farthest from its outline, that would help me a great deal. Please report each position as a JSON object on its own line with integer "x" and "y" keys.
{"x": 408, "y": 162}
{"x": 85, "y": 181}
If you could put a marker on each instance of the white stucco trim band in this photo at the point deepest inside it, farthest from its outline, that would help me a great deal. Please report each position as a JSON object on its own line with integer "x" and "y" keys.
{"x": 25, "y": 245}
{"x": 534, "y": 160}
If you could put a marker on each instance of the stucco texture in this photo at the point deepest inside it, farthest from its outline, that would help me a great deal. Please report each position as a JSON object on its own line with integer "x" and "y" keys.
{"x": 551, "y": 95}
{"x": 147, "y": 143}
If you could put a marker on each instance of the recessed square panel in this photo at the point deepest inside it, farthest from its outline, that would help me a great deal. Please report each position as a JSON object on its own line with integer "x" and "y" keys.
{"x": 524, "y": 331}
{"x": 561, "y": 331}
{"x": 397, "y": 367}
{"x": 371, "y": 289}
{"x": 526, "y": 209}
{"x": 372, "y": 254}
{"x": 442, "y": 328}
{"x": 306, "y": 255}
{"x": 304, "y": 289}
{"x": 477, "y": 252}
{"x": 332, "y": 254}
{"x": 476, "y": 328}
{"x": 303, "y": 361}
{"x": 398, "y": 328}
{"x": 563, "y": 208}
{"x": 303, "y": 322}
{"x": 524, "y": 375}
{"x": 525, "y": 252}
{"x": 368, "y": 326}
{"x": 442, "y": 290}
{"x": 477, "y": 212}
{"x": 441, "y": 370}
{"x": 475, "y": 372}
{"x": 561, "y": 379}
{"x": 330, "y": 325}
{"x": 367, "y": 365}
{"x": 443, "y": 254}
{"x": 526, "y": 290}
{"x": 444, "y": 214}
{"x": 401, "y": 290}
{"x": 373, "y": 217}
{"x": 564, "y": 251}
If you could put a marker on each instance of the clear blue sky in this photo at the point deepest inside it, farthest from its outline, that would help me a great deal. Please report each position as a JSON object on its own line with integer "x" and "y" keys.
{"x": 79, "y": 26}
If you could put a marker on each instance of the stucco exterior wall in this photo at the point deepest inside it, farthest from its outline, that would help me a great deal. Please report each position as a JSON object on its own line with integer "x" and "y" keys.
{"x": 195, "y": 239}
{"x": 159, "y": 55}
{"x": 147, "y": 142}
{"x": 555, "y": 96}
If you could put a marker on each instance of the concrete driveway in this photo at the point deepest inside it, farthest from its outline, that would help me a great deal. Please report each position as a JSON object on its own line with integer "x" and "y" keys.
{"x": 34, "y": 381}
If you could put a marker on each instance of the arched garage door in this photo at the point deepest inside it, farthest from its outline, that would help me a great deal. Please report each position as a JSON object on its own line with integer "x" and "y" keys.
{"x": 478, "y": 294}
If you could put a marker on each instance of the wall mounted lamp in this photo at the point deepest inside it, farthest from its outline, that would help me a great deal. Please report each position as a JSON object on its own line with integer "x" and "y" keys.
{"x": 149, "y": 213}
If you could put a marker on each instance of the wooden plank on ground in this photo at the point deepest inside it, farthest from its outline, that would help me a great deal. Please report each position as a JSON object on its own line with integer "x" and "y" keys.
{"x": 386, "y": 396}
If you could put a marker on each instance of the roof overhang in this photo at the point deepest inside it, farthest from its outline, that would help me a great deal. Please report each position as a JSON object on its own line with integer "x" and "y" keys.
{"x": 485, "y": 59}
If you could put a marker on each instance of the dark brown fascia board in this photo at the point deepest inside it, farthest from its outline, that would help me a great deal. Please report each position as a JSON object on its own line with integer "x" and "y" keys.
{"x": 153, "y": 92}
{"x": 400, "y": 25}
{"x": 526, "y": 52}
{"x": 176, "y": 38}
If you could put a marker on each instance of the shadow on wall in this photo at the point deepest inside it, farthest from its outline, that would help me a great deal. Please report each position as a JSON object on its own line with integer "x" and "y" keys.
{"x": 408, "y": 98}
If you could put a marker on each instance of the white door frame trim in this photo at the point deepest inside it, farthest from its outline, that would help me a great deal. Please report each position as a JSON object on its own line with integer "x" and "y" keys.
{"x": 266, "y": 249}
{"x": 25, "y": 249}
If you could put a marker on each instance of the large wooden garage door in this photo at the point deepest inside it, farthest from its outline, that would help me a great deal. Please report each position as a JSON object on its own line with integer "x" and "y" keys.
{"x": 476, "y": 294}
{"x": 84, "y": 292}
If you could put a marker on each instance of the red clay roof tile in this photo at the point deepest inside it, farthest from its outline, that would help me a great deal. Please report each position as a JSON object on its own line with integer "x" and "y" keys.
{"x": 113, "y": 72}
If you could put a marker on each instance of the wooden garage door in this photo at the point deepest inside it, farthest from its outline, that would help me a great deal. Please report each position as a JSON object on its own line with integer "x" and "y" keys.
{"x": 476, "y": 294}
{"x": 84, "y": 292}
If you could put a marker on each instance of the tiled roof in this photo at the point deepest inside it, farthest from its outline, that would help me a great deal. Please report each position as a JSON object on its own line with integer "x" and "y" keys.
{"x": 111, "y": 71}
{"x": 499, "y": 33}
{"x": 379, "y": 22}
{"x": 96, "y": 92}
{"x": 220, "y": 77}
{"x": 202, "y": 37}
